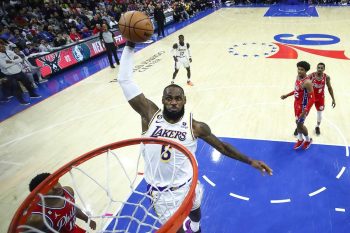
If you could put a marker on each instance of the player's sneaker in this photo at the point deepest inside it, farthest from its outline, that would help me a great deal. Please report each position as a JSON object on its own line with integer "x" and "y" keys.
{"x": 190, "y": 83}
{"x": 298, "y": 144}
{"x": 172, "y": 82}
{"x": 188, "y": 227}
{"x": 318, "y": 131}
{"x": 295, "y": 132}
{"x": 307, "y": 144}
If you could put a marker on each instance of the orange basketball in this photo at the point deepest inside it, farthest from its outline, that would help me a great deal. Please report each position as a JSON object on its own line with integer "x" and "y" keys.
{"x": 135, "y": 26}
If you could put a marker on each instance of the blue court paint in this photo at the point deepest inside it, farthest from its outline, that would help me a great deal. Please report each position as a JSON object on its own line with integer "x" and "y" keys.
{"x": 84, "y": 70}
{"x": 281, "y": 10}
{"x": 296, "y": 175}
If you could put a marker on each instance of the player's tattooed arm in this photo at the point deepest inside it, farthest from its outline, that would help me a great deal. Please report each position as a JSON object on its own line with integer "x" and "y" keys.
{"x": 203, "y": 131}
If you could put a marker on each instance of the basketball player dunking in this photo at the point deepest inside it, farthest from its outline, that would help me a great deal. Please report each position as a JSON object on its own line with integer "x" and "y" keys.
{"x": 174, "y": 123}
{"x": 182, "y": 56}
{"x": 304, "y": 99}
{"x": 59, "y": 214}
{"x": 319, "y": 79}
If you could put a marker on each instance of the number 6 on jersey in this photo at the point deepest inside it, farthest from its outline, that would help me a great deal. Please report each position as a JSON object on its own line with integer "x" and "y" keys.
{"x": 166, "y": 153}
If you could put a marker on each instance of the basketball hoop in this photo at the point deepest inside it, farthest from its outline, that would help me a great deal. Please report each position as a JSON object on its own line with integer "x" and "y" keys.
{"x": 78, "y": 166}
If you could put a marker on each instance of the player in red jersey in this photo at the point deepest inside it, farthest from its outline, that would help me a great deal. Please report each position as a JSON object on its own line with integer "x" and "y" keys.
{"x": 304, "y": 99}
{"x": 319, "y": 79}
{"x": 60, "y": 214}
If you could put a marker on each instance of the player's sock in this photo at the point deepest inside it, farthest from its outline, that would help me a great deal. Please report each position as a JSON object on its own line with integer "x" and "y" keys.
{"x": 307, "y": 138}
{"x": 300, "y": 136}
{"x": 194, "y": 226}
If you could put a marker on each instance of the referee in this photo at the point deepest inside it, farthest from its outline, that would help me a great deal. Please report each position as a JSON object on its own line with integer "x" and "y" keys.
{"x": 107, "y": 37}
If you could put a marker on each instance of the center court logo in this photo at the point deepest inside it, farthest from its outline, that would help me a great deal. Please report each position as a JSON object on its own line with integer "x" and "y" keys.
{"x": 286, "y": 46}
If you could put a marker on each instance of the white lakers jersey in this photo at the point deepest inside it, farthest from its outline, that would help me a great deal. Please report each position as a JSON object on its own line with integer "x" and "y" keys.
{"x": 166, "y": 166}
{"x": 182, "y": 51}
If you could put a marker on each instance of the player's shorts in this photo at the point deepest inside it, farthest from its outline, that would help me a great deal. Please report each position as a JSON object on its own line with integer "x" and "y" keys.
{"x": 182, "y": 61}
{"x": 298, "y": 109}
{"x": 319, "y": 103}
{"x": 165, "y": 203}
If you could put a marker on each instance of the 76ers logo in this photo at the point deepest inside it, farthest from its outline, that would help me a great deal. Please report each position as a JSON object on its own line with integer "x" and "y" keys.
{"x": 286, "y": 46}
{"x": 290, "y": 46}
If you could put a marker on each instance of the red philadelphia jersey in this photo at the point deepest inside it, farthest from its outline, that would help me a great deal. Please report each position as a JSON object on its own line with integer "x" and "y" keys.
{"x": 62, "y": 219}
{"x": 318, "y": 85}
{"x": 300, "y": 93}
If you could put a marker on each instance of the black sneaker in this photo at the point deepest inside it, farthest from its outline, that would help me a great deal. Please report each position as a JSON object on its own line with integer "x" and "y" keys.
{"x": 24, "y": 103}
{"x": 295, "y": 132}
{"x": 34, "y": 96}
{"x": 112, "y": 66}
{"x": 318, "y": 131}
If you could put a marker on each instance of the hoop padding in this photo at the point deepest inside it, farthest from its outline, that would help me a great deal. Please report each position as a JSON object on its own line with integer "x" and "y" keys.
{"x": 172, "y": 225}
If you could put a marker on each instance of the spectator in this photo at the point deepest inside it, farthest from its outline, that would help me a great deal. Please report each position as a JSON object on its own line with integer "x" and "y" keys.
{"x": 85, "y": 33}
{"x": 44, "y": 46}
{"x": 74, "y": 35}
{"x": 68, "y": 39}
{"x": 59, "y": 40}
{"x": 97, "y": 29}
{"x": 113, "y": 23}
{"x": 10, "y": 66}
{"x": 29, "y": 70}
{"x": 159, "y": 17}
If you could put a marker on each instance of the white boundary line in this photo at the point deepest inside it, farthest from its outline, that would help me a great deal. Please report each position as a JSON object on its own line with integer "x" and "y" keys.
{"x": 239, "y": 197}
{"x": 280, "y": 201}
{"x": 317, "y": 191}
{"x": 209, "y": 181}
{"x": 339, "y": 209}
{"x": 341, "y": 172}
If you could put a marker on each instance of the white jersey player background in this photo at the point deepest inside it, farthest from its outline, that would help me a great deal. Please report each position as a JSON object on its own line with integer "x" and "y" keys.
{"x": 182, "y": 57}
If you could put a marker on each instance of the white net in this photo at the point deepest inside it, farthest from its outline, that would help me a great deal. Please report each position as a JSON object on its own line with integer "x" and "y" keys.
{"x": 111, "y": 190}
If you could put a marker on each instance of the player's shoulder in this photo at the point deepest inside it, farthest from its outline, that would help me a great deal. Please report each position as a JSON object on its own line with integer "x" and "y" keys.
{"x": 70, "y": 190}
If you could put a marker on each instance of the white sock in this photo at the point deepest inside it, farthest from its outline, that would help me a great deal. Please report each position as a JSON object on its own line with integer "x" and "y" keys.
{"x": 194, "y": 226}
{"x": 300, "y": 136}
{"x": 307, "y": 138}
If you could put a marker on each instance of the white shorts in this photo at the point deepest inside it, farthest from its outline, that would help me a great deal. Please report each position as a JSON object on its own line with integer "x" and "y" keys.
{"x": 182, "y": 61}
{"x": 166, "y": 203}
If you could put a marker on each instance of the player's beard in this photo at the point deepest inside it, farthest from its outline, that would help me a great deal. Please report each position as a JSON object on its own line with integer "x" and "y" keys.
{"x": 174, "y": 116}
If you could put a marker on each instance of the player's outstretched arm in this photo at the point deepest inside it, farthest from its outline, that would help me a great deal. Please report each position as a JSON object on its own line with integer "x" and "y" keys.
{"x": 203, "y": 131}
{"x": 80, "y": 214}
{"x": 132, "y": 92}
{"x": 287, "y": 95}
{"x": 330, "y": 90}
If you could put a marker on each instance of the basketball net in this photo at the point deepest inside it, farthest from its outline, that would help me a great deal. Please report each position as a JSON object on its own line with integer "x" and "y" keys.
{"x": 109, "y": 188}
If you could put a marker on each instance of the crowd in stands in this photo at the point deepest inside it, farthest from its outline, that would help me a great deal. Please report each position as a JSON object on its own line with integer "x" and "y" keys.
{"x": 32, "y": 27}
{"x": 43, "y": 25}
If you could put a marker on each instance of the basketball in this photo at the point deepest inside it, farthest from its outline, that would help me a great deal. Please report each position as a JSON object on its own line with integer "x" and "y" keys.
{"x": 135, "y": 26}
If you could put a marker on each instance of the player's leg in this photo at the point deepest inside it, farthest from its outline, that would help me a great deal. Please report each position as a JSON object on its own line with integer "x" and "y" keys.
{"x": 115, "y": 54}
{"x": 319, "y": 107}
{"x": 300, "y": 139}
{"x": 193, "y": 224}
{"x": 109, "y": 55}
{"x": 186, "y": 64}
{"x": 177, "y": 64}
